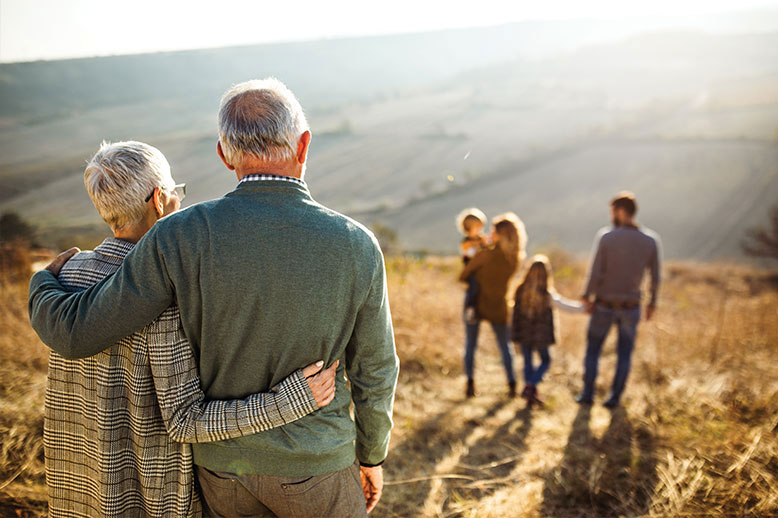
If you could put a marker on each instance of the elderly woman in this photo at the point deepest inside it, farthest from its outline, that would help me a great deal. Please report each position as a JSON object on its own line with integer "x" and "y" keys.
{"x": 493, "y": 268}
{"x": 116, "y": 423}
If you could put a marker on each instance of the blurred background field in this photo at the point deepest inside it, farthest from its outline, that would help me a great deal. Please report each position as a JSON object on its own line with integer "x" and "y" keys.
{"x": 696, "y": 436}
{"x": 547, "y": 118}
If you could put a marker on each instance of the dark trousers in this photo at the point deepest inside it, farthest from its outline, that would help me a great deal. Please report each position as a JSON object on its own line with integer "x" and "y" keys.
{"x": 471, "y": 342}
{"x": 334, "y": 494}
{"x": 471, "y": 295}
{"x": 534, "y": 375}
{"x": 600, "y": 323}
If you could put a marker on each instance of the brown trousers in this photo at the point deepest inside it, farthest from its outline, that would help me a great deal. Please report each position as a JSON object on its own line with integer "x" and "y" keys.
{"x": 337, "y": 494}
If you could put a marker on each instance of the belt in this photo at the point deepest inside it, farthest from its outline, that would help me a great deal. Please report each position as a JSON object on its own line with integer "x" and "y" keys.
{"x": 618, "y": 304}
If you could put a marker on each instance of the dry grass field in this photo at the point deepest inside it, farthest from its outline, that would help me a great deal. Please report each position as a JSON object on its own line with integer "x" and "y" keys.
{"x": 695, "y": 437}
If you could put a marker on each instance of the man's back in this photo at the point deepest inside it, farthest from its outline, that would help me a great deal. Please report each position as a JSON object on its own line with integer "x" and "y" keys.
{"x": 267, "y": 280}
{"x": 621, "y": 256}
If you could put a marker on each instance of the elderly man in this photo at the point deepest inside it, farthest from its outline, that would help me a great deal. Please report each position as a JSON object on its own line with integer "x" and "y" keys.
{"x": 266, "y": 279}
{"x": 622, "y": 254}
{"x": 111, "y": 420}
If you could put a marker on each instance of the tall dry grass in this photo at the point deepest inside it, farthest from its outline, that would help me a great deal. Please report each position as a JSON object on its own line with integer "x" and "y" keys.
{"x": 23, "y": 362}
{"x": 695, "y": 437}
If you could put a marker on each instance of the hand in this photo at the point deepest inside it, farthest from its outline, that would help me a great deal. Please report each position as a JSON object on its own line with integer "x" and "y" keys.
{"x": 321, "y": 382}
{"x": 588, "y": 304}
{"x": 56, "y": 265}
{"x": 650, "y": 310}
{"x": 372, "y": 485}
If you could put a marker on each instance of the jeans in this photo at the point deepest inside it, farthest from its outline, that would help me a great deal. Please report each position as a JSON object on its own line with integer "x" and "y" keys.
{"x": 534, "y": 375}
{"x": 471, "y": 342}
{"x": 600, "y": 323}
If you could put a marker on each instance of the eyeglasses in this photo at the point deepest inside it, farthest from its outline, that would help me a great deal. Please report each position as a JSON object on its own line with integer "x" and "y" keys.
{"x": 179, "y": 190}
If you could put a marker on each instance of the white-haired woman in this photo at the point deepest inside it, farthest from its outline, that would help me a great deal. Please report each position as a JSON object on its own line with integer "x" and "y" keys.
{"x": 116, "y": 423}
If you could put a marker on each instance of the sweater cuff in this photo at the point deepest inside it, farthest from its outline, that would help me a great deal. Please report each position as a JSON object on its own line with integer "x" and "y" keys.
{"x": 366, "y": 465}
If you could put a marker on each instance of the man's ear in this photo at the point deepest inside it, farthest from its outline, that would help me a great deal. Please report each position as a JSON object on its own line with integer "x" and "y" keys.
{"x": 302, "y": 146}
{"x": 159, "y": 202}
{"x": 221, "y": 155}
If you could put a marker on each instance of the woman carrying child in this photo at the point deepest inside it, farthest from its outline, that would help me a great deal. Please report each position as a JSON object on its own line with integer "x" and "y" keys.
{"x": 493, "y": 268}
{"x": 535, "y": 322}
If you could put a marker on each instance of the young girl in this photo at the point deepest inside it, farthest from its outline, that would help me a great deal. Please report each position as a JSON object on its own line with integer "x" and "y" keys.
{"x": 535, "y": 322}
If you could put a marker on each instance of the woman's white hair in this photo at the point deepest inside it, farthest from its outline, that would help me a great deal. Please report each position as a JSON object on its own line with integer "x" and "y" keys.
{"x": 260, "y": 118}
{"x": 119, "y": 178}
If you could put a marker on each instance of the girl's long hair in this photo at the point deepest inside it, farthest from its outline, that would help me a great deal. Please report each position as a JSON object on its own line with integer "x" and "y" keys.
{"x": 513, "y": 237}
{"x": 534, "y": 293}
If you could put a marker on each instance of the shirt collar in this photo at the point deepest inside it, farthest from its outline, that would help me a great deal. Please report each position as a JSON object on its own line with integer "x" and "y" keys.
{"x": 271, "y": 177}
{"x": 114, "y": 247}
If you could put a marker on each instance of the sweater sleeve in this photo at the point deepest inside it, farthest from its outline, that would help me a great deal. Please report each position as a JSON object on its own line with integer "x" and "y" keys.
{"x": 655, "y": 269}
{"x": 81, "y": 324}
{"x": 475, "y": 263}
{"x": 566, "y": 304}
{"x": 372, "y": 366}
{"x": 189, "y": 417}
{"x": 597, "y": 267}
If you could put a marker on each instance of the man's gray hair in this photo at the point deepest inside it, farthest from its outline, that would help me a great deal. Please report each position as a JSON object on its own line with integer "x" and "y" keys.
{"x": 119, "y": 178}
{"x": 260, "y": 118}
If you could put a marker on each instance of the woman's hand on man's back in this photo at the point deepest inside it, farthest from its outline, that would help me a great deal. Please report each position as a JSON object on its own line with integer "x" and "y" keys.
{"x": 321, "y": 382}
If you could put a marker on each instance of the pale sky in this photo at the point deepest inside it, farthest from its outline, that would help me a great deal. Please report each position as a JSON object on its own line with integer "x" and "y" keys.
{"x": 55, "y": 29}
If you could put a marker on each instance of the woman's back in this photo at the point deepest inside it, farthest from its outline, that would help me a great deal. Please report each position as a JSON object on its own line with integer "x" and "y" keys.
{"x": 493, "y": 271}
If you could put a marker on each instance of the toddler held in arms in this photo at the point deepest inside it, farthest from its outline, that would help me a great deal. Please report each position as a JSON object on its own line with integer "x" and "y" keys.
{"x": 471, "y": 223}
{"x": 535, "y": 322}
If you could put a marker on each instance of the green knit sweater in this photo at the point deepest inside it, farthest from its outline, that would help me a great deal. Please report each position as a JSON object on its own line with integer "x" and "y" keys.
{"x": 267, "y": 281}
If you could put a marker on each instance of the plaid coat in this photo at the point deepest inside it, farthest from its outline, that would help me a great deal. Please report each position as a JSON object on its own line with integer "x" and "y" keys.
{"x": 112, "y": 421}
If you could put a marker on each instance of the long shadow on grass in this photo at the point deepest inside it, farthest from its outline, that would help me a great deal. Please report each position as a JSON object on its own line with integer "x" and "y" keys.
{"x": 491, "y": 460}
{"x": 411, "y": 467}
{"x": 612, "y": 476}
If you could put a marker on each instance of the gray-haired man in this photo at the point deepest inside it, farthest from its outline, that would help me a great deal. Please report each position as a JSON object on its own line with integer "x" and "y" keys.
{"x": 264, "y": 267}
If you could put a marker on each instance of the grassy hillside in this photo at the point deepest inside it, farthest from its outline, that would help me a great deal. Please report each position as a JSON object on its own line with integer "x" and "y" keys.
{"x": 410, "y": 129}
{"x": 696, "y": 435}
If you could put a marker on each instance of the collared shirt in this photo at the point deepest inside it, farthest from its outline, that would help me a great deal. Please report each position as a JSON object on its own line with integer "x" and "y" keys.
{"x": 111, "y": 419}
{"x": 267, "y": 177}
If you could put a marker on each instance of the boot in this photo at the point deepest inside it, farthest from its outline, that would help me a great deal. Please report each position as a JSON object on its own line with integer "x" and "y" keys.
{"x": 535, "y": 397}
{"x": 470, "y": 392}
{"x": 511, "y": 389}
{"x": 583, "y": 399}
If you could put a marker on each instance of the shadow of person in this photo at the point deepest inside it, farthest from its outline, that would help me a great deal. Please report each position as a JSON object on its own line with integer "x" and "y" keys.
{"x": 612, "y": 476}
{"x": 414, "y": 460}
{"x": 567, "y": 485}
{"x": 629, "y": 474}
{"x": 491, "y": 460}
